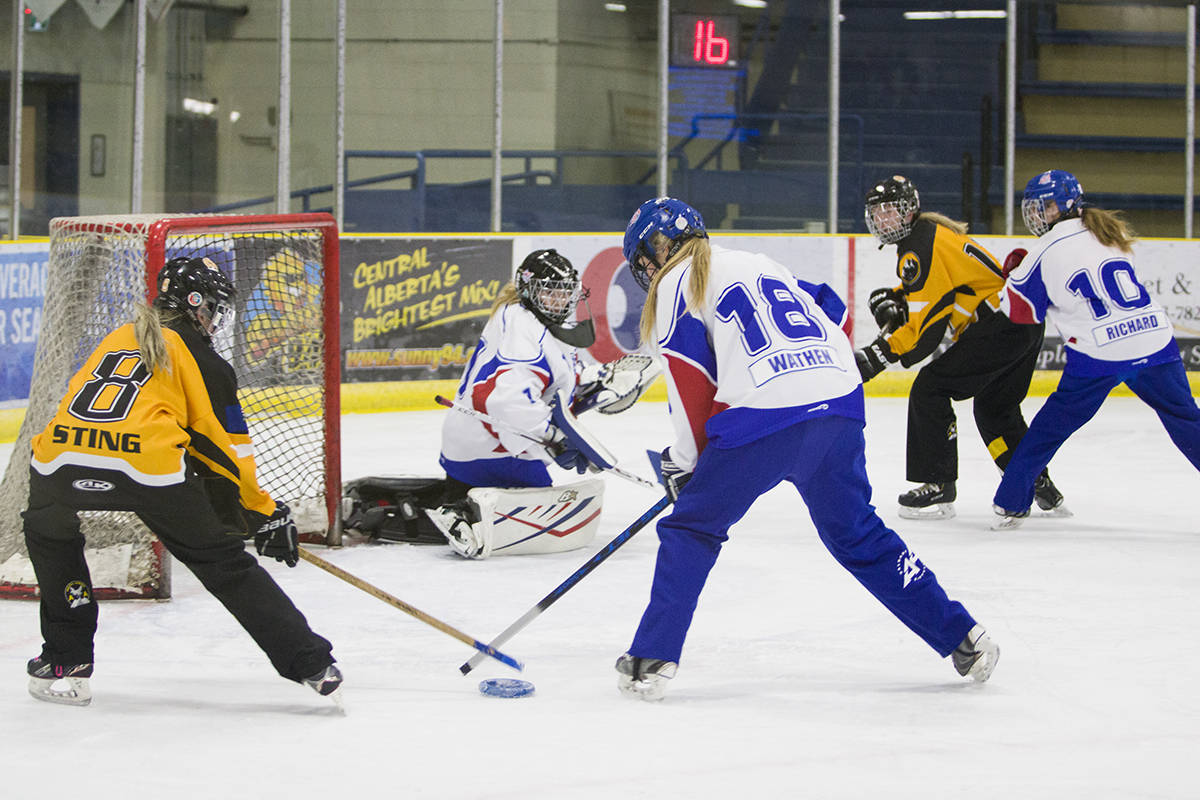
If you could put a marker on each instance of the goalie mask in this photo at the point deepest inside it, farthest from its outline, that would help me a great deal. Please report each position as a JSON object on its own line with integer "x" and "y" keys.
{"x": 196, "y": 288}
{"x": 548, "y": 285}
{"x": 891, "y": 209}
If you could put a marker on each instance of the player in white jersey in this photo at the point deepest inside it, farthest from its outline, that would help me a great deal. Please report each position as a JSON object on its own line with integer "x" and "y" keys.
{"x": 763, "y": 388}
{"x": 1081, "y": 277}
{"x": 524, "y": 357}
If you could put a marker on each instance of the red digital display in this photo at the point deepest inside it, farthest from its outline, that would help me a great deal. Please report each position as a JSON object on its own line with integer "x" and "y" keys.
{"x": 704, "y": 40}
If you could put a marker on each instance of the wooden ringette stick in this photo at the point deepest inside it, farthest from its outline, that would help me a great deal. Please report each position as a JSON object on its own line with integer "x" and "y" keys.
{"x": 359, "y": 583}
{"x": 499, "y": 423}
{"x": 575, "y": 578}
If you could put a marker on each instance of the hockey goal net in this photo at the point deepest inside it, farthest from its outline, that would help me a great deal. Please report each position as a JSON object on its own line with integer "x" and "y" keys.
{"x": 283, "y": 346}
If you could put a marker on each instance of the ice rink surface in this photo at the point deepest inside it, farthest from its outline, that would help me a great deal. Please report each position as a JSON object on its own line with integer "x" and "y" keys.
{"x": 794, "y": 682}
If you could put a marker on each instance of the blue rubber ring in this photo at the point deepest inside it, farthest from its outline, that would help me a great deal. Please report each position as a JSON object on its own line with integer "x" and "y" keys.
{"x": 506, "y": 687}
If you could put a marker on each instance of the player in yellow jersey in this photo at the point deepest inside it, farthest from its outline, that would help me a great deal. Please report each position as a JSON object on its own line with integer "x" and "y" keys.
{"x": 151, "y": 424}
{"x": 946, "y": 308}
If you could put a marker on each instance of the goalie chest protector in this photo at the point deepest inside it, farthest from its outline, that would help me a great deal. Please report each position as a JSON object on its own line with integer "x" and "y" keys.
{"x": 393, "y": 508}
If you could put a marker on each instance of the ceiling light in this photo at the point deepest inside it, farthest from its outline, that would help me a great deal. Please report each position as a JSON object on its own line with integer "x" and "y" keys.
{"x": 614, "y": 6}
{"x": 974, "y": 14}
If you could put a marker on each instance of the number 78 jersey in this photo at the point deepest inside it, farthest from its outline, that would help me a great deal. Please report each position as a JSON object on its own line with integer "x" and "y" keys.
{"x": 763, "y": 351}
{"x": 1091, "y": 294}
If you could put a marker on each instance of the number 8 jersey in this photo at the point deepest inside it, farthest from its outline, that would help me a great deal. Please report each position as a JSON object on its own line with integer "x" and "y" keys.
{"x": 1107, "y": 319}
{"x": 118, "y": 417}
{"x": 762, "y": 352}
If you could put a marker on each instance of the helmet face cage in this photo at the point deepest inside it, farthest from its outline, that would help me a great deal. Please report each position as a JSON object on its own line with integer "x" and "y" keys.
{"x": 1058, "y": 185}
{"x": 891, "y": 209}
{"x": 198, "y": 288}
{"x": 674, "y": 219}
{"x": 548, "y": 285}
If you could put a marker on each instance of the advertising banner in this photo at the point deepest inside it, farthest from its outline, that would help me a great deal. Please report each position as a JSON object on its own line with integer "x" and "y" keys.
{"x": 413, "y": 309}
{"x": 22, "y": 289}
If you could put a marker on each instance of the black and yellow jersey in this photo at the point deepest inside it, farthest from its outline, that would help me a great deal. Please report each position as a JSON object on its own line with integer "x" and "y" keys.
{"x": 949, "y": 280}
{"x": 118, "y": 416}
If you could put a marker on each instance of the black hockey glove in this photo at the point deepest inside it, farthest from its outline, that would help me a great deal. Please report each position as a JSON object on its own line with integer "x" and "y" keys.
{"x": 276, "y": 537}
{"x": 889, "y": 307}
{"x": 674, "y": 478}
{"x": 873, "y": 359}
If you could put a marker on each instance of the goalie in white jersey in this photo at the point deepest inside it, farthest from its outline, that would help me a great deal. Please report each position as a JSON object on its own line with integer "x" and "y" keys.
{"x": 763, "y": 388}
{"x": 1081, "y": 277}
{"x": 526, "y": 363}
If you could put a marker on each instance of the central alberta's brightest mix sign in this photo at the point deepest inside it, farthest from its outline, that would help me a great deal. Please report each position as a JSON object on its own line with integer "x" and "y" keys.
{"x": 413, "y": 309}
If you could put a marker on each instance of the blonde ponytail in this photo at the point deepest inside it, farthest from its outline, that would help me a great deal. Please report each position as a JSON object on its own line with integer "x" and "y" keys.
{"x": 697, "y": 249}
{"x": 1109, "y": 228}
{"x": 147, "y": 329}
{"x": 505, "y": 297}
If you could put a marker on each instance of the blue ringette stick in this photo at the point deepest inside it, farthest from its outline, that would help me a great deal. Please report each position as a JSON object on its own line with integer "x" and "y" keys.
{"x": 575, "y": 578}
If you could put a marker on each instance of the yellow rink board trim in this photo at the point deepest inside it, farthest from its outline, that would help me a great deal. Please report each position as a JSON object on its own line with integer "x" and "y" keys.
{"x": 368, "y": 398}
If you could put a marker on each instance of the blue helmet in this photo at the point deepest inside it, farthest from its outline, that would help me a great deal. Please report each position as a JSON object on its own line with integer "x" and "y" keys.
{"x": 1058, "y": 185}
{"x": 673, "y": 218}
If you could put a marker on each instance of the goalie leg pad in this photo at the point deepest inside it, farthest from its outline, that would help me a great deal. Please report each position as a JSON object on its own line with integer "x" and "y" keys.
{"x": 550, "y": 519}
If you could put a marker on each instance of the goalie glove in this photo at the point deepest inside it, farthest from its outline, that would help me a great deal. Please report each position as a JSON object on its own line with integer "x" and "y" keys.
{"x": 566, "y": 454}
{"x": 873, "y": 359}
{"x": 569, "y": 444}
{"x": 276, "y": 535}
{"x": 615, "y": 386}
{"x": 889, "y": 307}
{"x": 674, "y": 477}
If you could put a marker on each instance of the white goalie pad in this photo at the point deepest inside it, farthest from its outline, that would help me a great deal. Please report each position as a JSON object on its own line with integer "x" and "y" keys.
{"x": 518, "y": 522}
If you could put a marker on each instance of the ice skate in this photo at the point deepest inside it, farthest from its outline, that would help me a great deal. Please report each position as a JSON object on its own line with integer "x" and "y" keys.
{"x": 644, "y": 678}
{"x": 1048, "y": 498}
{"x": 928, "y": 501}
{"x": 976, "y": 655}
{"x": 327, "y": 683}
{"x": 1007, "y": 520}
{"x": 73, "y": 689}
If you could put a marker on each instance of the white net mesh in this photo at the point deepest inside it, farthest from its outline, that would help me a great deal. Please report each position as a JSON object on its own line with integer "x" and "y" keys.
{"x": 96, "y": 277}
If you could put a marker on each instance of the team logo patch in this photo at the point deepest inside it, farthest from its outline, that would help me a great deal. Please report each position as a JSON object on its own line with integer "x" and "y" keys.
{"x": 952, "y": 432}
{"x": 93, "y": 485}
{"x": 909, "y": 269}
{"x": 910, "y": 567}
{"x": 77, "y": 594}
{"x": 194, "y": 299}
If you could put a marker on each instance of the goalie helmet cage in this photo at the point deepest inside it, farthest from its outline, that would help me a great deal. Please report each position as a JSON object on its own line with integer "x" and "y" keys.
{"x": 284, "y": 347}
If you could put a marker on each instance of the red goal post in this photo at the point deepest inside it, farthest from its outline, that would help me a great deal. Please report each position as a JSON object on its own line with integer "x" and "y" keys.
{"x": 284, "y": 346}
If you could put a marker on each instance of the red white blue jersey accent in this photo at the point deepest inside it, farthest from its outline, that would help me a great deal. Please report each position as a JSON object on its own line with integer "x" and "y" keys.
{"x": 1107, "y": 319}
{"x": 776, "y": 343}
{"x": 515, "y": 371}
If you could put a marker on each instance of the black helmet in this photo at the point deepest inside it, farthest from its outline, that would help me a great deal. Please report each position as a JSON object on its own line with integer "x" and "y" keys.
{"x": 548, "y": 286}
{"x": 197, "y": 288}
{"x": 894, "y": 194}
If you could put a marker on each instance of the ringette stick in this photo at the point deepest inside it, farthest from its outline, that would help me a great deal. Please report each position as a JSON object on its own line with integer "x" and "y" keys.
{"x": 499, "y": 423}
{"x": 375, "y": 591}
{"x": 575, "y": 578}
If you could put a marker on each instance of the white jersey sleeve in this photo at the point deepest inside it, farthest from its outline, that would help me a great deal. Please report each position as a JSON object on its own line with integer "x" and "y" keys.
{"x": 515, "y": 371}
{"x": 1092, "y": 295}
{"x": 760, "y": 352}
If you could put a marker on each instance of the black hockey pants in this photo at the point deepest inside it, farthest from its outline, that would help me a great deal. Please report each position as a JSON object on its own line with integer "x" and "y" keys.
{"x": 183, "y": 518}
{"x": 992, "y": 362}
